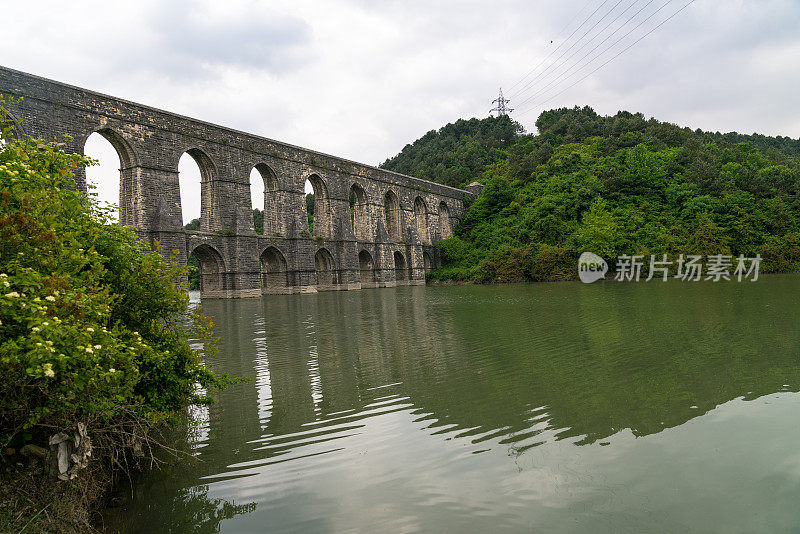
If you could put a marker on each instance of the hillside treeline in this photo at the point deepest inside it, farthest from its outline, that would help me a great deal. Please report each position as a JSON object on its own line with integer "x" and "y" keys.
{"x": 612, "y": 185}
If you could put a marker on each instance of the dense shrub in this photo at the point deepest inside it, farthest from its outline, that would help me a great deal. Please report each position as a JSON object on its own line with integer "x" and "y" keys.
{"x": 781, "y": 254}
{"x": 92, "y": 326}
{"x": 540, "y": 263}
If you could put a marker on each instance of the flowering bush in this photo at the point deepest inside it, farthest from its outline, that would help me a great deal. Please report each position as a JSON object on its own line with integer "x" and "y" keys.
{"x": 92, "y": 326}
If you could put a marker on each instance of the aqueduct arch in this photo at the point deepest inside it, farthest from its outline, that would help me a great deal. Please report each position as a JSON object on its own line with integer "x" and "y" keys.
{"x": 394, "y": 215}
{"x": 324, "y": 268}
{"x": 427, "y": 262}
{"x": 212, "y": 267}
{"x": 445, "y": 226}
{"x": 421, "y": 219}
{"x": 366, "y": 267}
{"x": 347, "y": 250}
{"x": 127, "y": 166}
{"x": 274, "y": 271}
{"x": 359, "y": 212}
{"x": 127, "y": 158}
{"x": 270, "y": 204}
{"x": 322, "y": 206}
{"x": 401, "y": 274}
{"x": 210, "y": 205}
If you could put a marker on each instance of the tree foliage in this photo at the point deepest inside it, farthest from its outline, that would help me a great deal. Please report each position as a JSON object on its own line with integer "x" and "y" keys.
{"x": 612, "y": 185}
{"x": 458, "y": 152}
{"x": 92, "y": 326}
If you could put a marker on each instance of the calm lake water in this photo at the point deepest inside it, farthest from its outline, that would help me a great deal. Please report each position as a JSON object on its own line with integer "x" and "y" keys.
{"x": 624, "y": 407}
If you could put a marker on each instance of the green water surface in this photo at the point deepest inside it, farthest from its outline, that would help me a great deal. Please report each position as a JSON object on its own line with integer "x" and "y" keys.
{"x": 612, "y": 407}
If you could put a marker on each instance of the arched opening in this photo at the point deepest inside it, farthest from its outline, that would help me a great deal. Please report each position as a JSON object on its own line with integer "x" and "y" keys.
{"x": 318, "y": 206}
{"x": 366, "y": 267}
{"x": 359, "y": 215}
{"x": 399, "y": 266}
{"x": 264, "y": 200}
{"x": 426, "y": 262}
{"x": 445, "y": 229}
{"x": 274, "y": 274}
{"x": 421, "y": 219}
{"x": 111, "y": 180}
{"x": 391, "y": 207}
{"x": 209, "y": 269}
{"x": 308, "y": 191}
{"x": 197, "y": 179}
{"x": 323, "y": 264}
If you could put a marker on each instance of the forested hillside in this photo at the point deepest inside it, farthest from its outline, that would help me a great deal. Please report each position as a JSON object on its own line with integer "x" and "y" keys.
{"x": 612, "y": 185}
{"x": 458, "y": 150}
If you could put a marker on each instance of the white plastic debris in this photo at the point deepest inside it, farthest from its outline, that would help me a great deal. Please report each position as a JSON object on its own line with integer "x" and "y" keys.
{"x": 71, "y": 454}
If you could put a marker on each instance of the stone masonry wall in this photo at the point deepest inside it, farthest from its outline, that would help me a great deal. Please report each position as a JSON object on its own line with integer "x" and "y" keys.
{"x": 235, "y": 261}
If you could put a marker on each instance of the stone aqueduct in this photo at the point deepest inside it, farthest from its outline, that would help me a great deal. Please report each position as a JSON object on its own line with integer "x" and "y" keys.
{"x": 386, "y": 237}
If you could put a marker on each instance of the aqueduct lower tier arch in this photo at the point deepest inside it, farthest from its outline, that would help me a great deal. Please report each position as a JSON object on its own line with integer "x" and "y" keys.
{"x": 367, "y": 220}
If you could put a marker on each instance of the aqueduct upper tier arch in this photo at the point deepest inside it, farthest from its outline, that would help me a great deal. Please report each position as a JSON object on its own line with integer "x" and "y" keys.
{"x": 370, "y": 219}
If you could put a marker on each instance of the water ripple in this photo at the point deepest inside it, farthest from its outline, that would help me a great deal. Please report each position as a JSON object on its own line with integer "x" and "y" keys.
{"x": 543, "y": 407}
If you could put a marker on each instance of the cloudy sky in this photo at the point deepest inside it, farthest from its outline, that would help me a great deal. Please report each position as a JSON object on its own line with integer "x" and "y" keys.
{"x": 360, "y": 78}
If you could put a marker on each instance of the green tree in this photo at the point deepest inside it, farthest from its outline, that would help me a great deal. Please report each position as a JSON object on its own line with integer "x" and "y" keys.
{"x": 620, "y": 184}
{"x": 93, "y": 329}
{"x": 598, "y": 232}
{"x": 258, "y": 221}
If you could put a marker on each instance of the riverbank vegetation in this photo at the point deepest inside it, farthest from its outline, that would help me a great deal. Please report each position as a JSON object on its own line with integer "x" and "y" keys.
{"x": 611, "y": 185}
{"x": 93, "y": 343}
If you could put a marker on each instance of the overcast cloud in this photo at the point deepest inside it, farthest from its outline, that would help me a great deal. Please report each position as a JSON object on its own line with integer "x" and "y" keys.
{"x": 361, "y": 78}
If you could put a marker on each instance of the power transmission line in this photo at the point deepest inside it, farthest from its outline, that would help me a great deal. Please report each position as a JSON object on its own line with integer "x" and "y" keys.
{"x": 531, "y": 82}
{"x": 592, "y": 39}
{"x": 614, "y": 57}
{"x": 559, "y": 80}
{"x": 612, "y": 45}
{"x": 573, "y": 19}
{"x": 562, "y": 43}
